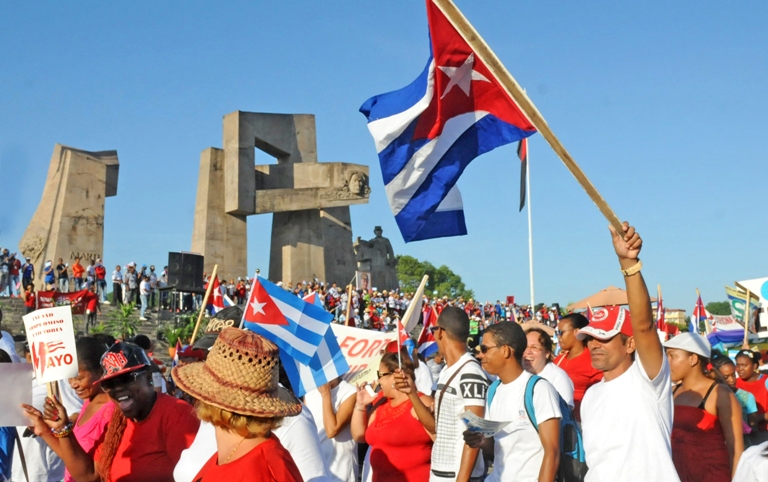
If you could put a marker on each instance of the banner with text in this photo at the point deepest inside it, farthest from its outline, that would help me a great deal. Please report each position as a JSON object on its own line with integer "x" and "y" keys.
{"x": 738, "y": 301}
{"x": 50, "y": 299}
{"x": 51, "y": 339}
{"x": 362, "y": 349}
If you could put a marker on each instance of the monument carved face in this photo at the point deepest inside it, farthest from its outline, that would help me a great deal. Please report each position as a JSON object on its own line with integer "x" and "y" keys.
{"x": 357, "y": 183}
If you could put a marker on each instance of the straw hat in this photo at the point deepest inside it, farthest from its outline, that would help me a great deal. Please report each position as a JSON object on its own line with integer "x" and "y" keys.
{"x": 240, "y": 375}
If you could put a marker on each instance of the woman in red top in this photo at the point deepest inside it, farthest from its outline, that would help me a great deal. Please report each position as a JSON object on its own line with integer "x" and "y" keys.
{"x": 395, "y": 457}
{"x": 145, "y": 436}
{"x": 237, "y": 392}
{"x": 706, "y": 434}
{"x": 30, "y": 299}
{"x": 575, "y": 358}
{"x": 754, "y": 382}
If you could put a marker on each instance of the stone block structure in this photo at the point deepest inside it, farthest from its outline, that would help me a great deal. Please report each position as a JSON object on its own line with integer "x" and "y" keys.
{"x": 311, "y": 224}
{"x": 69, "y": 221}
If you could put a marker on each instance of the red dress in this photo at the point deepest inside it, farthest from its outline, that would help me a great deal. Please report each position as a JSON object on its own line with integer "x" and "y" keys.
{"x": 400, "y": 447}
{"x": 698, "y": 445}
{"x": 267, "y": 462}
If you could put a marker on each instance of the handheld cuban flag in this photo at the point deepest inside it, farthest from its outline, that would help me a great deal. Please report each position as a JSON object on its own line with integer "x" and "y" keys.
{"x": 327, "y": 364}
{"x": 427, "y": 344}
{"x": 295, "y": 326}
{"x": 428, "y": 132}
{"x": 216, "y": 300}
{"x": 699, "y": 314}
{"x": 176, "y": 353}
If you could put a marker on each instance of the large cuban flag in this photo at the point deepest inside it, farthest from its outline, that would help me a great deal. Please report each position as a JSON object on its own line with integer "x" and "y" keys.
{"x": 327, "y": 364}
{"x": 296, "y": 327}
{"x": 428, "y": 132}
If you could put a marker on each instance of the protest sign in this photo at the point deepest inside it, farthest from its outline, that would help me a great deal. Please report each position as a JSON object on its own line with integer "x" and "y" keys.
{"x": 17, "y": 389}
{"x": 474, "y": 423}
{"x": 51, "y": 339}
{"x": 77, "y": 300}
{"x": 362, "y": 349}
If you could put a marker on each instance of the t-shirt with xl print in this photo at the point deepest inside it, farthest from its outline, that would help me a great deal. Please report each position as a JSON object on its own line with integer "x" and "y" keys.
{"x": 467, "y": 389}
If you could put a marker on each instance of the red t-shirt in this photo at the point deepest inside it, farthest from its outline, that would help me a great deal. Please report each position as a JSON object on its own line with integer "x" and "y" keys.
{"x": 29, "y": 301}
{"x": 149, "y": 450}
{"x": 582, "y": 374}
{"x": 267, "y": 462}
{"x": 759, "y": 390}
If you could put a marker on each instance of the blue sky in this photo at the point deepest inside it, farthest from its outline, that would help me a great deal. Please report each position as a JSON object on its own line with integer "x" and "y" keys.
{"x": 662, "y": 104}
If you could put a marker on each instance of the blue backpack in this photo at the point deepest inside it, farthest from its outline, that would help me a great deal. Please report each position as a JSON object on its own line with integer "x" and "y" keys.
{"x": 573, "y": 462}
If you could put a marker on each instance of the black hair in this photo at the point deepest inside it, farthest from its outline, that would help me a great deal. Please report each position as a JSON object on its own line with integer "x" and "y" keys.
{"x": 510, "y": 334}
{"x": 455, "y": 322}
{"x": 142, "y": 341}
{"x": 719, "y": 360}
{"x": 105, "y": 339}
{"x": 754, "y": 356}
{"x": 89, "y": 352}
{"x": 577, "y": 320}
{"x": 5, "y": 357}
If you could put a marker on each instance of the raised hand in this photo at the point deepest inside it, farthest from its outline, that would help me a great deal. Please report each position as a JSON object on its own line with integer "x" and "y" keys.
{"x": 403, "y": 382}
{"x": 627, "y": 244}
{"x": 363, "y": 397}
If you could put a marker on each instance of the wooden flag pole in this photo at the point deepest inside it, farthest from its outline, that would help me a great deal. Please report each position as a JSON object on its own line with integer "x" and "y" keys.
{"x": 205, "y": 303}
{"x": 349, "y": 305}
{"x": 745, "y": 343}
{"x": 489, "y": 58}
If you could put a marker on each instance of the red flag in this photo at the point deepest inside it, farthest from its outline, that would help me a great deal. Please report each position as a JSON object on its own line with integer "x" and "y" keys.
{"x": 661, "y": 323}
{"x": 402, "y": 336}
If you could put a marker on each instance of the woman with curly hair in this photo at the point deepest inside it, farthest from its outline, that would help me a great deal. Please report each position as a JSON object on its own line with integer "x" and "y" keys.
{"x": 145, "y": 435}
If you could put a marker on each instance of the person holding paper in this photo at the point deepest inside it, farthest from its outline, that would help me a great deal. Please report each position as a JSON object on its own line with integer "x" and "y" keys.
{"x": 521, "y": 451}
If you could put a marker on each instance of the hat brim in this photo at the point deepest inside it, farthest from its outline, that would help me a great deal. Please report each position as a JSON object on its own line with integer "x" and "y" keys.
{"x": 596, "y": 333}
{"x": 195, "y": 380}
{"x": 205, "y": 342}
{"x": 121, "y": 372}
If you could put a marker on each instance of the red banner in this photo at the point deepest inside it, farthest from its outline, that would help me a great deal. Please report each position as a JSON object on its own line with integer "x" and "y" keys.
{"x": 51, "y": 299}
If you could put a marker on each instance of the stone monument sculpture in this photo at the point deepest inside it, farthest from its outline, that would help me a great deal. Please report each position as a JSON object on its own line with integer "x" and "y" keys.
{"x": 311, "y": 224}
{"x": 377, "y": 257}
{"x": 69, "y": 221}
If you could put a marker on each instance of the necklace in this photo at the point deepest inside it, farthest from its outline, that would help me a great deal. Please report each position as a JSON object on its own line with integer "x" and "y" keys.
{"x": 234, "y": 450}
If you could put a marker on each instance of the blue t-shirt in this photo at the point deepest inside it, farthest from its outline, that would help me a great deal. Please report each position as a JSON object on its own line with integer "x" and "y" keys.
{"x": 7, "y": 437}
{"x": 747, "y": 402}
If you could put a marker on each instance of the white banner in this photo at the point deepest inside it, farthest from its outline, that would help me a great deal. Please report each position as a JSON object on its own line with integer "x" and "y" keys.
{"x": 362, "y": 349}
{"x": 51, "y": 340}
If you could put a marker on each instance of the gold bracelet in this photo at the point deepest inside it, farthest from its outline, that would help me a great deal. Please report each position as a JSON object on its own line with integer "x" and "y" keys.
{"x": 633, "y": 270}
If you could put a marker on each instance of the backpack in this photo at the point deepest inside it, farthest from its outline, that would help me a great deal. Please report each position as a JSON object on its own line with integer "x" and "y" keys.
{"x": 573, "y": 462}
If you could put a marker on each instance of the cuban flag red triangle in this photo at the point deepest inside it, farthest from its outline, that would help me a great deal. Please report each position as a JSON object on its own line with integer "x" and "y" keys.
{"x": 261, "y": 309}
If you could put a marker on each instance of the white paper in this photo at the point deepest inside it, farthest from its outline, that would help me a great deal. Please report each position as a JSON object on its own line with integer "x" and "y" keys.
{"x": 474, "y": 423}
{"x": 17, "y": 389}
{"x": 51, "y": 340}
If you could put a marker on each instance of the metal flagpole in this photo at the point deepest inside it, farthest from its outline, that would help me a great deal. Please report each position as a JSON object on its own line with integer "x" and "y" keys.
{"x": 530, "y": 228}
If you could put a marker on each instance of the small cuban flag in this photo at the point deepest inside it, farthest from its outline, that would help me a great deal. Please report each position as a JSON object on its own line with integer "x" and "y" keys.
{"x": 215, "y": 300}
{"x": 296, "y": 327}
{"x": 427, "y": 343}
{"x": 327, "y": 364}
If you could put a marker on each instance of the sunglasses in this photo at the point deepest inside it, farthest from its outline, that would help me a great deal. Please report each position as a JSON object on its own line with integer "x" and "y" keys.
{"x": 434, "y": 329}
{"x": 484, "y": 349}
{"x": 121, "y": 381}
{"x": 382, "y": 375}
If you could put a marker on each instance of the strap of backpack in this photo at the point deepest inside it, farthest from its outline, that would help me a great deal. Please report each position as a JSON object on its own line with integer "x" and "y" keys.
{"x": 492, "y": 391}
{"x": 528, "y": 400}
{"x": 21, "y": 454}
{"x": 445, "y": 387}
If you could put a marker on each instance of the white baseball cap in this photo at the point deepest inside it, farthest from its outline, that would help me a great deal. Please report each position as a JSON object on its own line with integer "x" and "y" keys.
{"x": 692, "y": 343}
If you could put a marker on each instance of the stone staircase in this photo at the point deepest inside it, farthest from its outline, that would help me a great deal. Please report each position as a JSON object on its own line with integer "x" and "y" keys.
{"x": 13, "y": 310}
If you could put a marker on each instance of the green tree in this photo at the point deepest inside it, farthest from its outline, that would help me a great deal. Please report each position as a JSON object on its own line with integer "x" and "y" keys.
{"x": 410, "y": 271}
{"x": 719, "y": 308}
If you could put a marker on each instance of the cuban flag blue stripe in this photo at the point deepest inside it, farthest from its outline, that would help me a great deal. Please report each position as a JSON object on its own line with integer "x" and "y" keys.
{"x": 428, "y": 348}
{"x": 308, "y": 317}
{"x": 397, "y": 101}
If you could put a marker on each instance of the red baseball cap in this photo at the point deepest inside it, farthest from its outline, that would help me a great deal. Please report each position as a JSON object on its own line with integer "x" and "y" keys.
{"x": 607, "y": 322}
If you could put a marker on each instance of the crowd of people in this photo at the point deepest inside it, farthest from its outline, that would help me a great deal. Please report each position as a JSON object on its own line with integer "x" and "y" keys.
{"x": 606, "y": 401}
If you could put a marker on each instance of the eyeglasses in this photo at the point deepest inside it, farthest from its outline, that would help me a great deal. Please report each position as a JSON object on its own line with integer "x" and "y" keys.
{"x": 559, "y": 333}
{"x": 382, "y": 375}
{"x": 121, "y": 381}
{"x": 484, "y": 349}
{"x": 434, "y": 329}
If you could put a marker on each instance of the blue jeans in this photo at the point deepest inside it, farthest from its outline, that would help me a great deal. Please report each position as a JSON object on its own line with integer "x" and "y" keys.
{"x": 143, "y": 305}
{"x": 78, "y": 284}
{"x": 64, "y": 285}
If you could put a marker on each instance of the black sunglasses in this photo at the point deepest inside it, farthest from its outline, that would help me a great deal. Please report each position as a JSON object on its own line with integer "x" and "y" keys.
{"x": 121, "y": 381}
{"x": 434, "y": 329}
{"x": 484, "y": 349}
{"x": 382, "y": 375}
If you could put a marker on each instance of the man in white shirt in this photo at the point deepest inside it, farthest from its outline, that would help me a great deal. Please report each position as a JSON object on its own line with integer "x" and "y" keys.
{"x": 462, "y": 386}
{"x": 521, "y": 451}
{"x": 627, "y": 417}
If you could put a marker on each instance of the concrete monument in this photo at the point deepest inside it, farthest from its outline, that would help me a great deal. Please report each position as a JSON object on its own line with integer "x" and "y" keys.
{"x": 69, "y": 221}
{"x": 311, "y": 225}
{"x": 377, "y": 257}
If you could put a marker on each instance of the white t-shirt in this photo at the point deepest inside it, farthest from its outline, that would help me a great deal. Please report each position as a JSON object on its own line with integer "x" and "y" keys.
{"x": 753, "y": 465}
{"x": 468, "y": 388}
{"x": 560, "y": 380}
{"x": 517, "y": 447}
{"x": 627, "y": 424}
{"x": 297, "y": 434}
{"x": 43, "y": 465}
{"x": 424, "y": 381}
{"x": 340, "y": 452}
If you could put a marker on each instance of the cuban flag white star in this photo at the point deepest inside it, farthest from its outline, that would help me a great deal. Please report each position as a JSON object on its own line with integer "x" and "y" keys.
{"x": 462, "y": 76}
{"x": 257, "y": 307}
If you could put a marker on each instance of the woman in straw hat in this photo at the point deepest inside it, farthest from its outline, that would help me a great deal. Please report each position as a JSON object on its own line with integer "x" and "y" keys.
{"x": 707, "y": 415}
{"x": 237, "y": 392}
